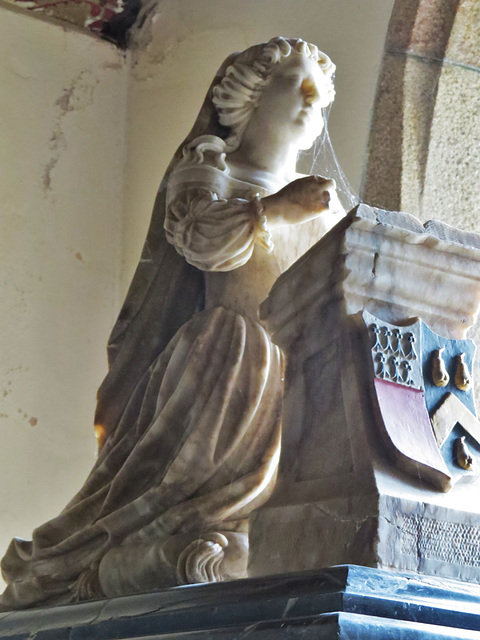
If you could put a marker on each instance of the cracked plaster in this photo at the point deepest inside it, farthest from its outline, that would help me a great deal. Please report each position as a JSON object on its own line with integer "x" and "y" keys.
{"x": 79, "y": 95}
{"x": 62, "y": 126}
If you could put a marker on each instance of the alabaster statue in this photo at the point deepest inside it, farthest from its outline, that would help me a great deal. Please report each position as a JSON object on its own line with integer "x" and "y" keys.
{"x": 189, "y": 415}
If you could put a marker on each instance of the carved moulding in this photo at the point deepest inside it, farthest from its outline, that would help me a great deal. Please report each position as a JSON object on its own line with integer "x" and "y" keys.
{"x": 374, "y": 468}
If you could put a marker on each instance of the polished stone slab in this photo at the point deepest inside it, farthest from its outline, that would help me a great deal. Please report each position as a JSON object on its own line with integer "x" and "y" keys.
{"x": 340, "y": 602}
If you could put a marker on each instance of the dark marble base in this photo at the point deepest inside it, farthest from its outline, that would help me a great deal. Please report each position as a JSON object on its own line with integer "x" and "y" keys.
{"x": 346, "y": 602}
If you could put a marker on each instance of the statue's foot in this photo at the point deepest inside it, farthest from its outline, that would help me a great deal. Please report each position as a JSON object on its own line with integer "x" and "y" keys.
{"x": 213, "y": 558}
{"x": 200, "y": 561}
{"x": 87, "y": 586}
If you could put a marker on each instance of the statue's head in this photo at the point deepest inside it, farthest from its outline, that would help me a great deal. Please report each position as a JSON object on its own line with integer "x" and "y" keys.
{"x": 283, "y": 83}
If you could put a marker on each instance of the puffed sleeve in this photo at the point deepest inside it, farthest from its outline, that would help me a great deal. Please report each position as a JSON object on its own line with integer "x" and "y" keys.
{"x": 213, "y": 233}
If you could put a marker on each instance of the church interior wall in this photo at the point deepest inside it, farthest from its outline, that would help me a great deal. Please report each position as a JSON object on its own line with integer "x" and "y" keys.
{"x": 86, "y": 134}
{"x": 62, "y": 131}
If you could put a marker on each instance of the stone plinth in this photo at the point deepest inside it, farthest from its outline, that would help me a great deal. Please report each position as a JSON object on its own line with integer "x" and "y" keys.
{"x": 345, "y": 602}
{"x": 351, "y": 489}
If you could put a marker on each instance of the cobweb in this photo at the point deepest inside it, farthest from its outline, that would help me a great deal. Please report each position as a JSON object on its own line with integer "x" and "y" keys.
{"x": 321, "y": 159}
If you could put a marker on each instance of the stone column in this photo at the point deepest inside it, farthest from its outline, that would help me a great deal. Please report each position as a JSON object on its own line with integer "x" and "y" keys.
{"x": 424, "y": 146}
{"x": 362, "y": 479}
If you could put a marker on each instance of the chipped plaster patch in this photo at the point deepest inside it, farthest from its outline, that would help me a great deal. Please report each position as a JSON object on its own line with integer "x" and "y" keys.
{"x": 90, "y": 15}
{"x": 78, "y": 96}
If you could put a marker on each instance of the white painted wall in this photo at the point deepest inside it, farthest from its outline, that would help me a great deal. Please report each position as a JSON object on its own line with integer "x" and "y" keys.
{"x": 72, "y": 222}
{"x": 62, "y": 131}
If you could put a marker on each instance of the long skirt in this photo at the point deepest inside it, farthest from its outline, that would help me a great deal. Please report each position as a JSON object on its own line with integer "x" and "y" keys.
{"x": 196, "y": 450}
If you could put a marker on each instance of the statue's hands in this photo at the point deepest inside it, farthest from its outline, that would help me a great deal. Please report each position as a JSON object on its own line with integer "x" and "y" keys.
{"x": 299, "y": 201}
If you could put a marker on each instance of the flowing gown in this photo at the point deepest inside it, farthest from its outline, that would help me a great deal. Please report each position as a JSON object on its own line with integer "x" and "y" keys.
{"x": 194, "y": 434}
{"x": 197, "y": 445}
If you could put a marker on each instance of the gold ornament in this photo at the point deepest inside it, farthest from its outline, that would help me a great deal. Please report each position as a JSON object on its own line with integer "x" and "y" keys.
{"x": 463, "y": 454}
{"x": 440, "y": 375}
{"x": 463, "y": 379}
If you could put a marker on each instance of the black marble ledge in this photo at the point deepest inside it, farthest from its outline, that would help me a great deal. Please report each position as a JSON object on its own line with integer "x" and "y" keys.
{"x": 340, "y": 602}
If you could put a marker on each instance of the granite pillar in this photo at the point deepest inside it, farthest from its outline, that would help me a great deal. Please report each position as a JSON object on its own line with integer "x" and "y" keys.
{"x": 425, "y": 133}
{"x": 424, "y": 145}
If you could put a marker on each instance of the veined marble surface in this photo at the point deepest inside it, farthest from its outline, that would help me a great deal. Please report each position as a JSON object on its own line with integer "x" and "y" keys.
{"x": 339, "y": 602}
{"x": 360, "y": 478}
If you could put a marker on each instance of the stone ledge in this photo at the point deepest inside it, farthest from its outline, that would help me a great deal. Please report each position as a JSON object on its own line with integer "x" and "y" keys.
{"x": 340, "y": 602}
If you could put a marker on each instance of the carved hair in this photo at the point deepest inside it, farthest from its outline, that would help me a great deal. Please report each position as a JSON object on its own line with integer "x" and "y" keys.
{"x": 239, "y": 92}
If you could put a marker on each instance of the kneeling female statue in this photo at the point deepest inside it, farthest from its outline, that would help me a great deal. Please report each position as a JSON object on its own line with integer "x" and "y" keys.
{"x": 189, "y": 414}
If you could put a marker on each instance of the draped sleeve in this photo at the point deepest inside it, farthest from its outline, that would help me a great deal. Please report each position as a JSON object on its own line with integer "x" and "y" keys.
{"x": 212, "y": 219}
{"x": 214, "y": 233}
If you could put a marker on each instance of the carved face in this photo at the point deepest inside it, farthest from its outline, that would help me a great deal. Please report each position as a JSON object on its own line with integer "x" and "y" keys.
{"x": 292, "y": 100}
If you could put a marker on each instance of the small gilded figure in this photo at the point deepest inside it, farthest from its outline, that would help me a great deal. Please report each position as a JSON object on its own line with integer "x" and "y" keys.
{"x": 440, "y": 377}
{"x": 463, "y": 378}
{"x": 463, "y": 454}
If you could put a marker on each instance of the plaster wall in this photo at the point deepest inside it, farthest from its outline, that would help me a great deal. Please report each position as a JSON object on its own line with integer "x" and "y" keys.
{"x": 62, "y": 126}
{"x": 183, "y": 42}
